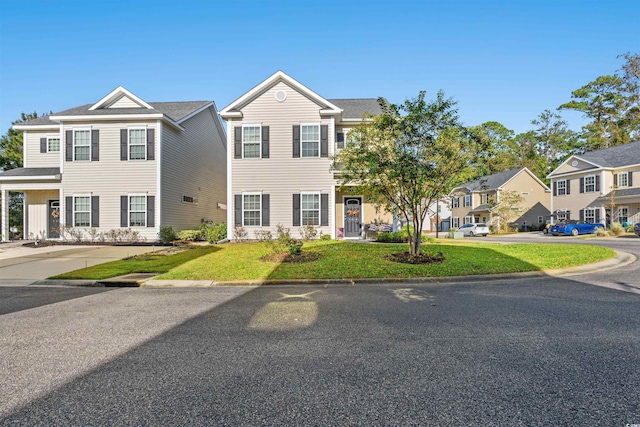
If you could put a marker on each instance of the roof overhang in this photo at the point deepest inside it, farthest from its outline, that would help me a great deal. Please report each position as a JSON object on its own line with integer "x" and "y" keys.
{"x": 106, "y": 117}
{"x": 574, "y": 157}
{"x": 39, "y": 178}
{"x": 116, "y": 94}
{"x": 37, "y": 127}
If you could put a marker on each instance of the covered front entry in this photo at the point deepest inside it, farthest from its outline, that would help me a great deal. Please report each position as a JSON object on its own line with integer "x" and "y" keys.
{"x": 53, "y": 223}
{"x": 352, "y": 217}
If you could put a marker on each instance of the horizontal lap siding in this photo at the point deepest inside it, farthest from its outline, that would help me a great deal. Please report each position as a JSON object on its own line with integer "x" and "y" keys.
{"x": 111, "y": 177}
{"x": 369, "y": 211}
{"x": 193, "y": 163}
{"x": 36, "y": 159}
{"x": 37, "y": 211}
{"x": 281, "y": 175}
{"x": 577, "y": 200}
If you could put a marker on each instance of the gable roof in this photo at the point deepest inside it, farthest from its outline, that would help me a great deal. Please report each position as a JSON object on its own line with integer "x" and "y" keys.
{"x": 356, "y": 108}
{"x": 612, "y": 157}
{"x": 490, "y": 182}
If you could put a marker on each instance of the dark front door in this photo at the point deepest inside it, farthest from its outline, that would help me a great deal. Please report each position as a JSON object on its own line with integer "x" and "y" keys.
{"x": 54, "y": 219}
{"x": 352, "y": 216}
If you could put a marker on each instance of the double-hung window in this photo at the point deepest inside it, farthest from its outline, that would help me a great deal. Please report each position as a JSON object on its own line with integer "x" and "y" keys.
{"x": 623, "y": 179}
{"x": 456, "y": 202}
{"x": 589, "y": 184}
{"x": 53, "y": 145}
{"x": 484, "y": 199}
{"x": 623, "y": 214}
{"x": 137, "y": 211}
{"x": 590, "y": 215}
{"x": 82, "y": 211}
{"x": 561, "y": 187}
{"x": 251, "y": 141}
{"x": 251, "y": 208}
{"x": 81, "y": 145}
{"x": 310, "y": 208}
{"x": 456, "y": 222}
{"x": 310, "y": 140}
{"x": 137, "y": 144}
{"x": 467, "y": 200}
{"x": 468, "y": 219}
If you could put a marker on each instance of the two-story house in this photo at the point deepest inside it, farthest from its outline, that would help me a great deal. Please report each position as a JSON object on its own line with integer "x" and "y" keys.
{"x": 473, "y": 201}
{"x": 599, "y": 186}
{"x": 282, "y": 136}
{"x": 120, "y": 163}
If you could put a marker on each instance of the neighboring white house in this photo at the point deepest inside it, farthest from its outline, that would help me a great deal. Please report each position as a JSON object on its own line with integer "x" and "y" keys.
{"x": 283, "y": 136}
{"x": 120, "y": 163}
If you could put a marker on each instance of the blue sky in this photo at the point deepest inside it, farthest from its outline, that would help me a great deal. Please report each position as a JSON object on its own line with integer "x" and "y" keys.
{"x": 501, "y": 60}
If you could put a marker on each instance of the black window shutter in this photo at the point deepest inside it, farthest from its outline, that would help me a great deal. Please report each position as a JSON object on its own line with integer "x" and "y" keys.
{"x": 296, "y": 141}
{"x": 68, "y": 145}
{"x": 238, "y": 209}
{"x": 265, "y": 142}
{"x": 324, "y": 209}
{"x": 265, "y": 210}
{"x": 95, "y": 145}
{"x": 629, "y": 179}
{"x": 95, "y": 211}
{"x": 151, "y": 144}
{"x": 615, "y": 179}
{"x": 555, "y": 188}
{"x": 151, "y": 211}
{"x": 68, "y": 209}
{"x": 568, "y": 186}
{"x": 124, "y": 149}
{"x": 237, "y": 142}
{"x": 124, "y": 211}
{"x": 581, "y": 214}
{"x": 597, "y": 182}
{"x": 296, "y": 209}
{"x": 43, "y": 145}
{"x": 324, "y": 141}
{"x": 582, "y": 185}
{"x": 568, "y": 215}
{"x": 340, "y": 139}
{"x": 597, "y": 215}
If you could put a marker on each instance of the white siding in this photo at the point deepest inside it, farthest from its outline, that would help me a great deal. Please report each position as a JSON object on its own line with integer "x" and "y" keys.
{"x": 194, "y": 163}
{"x": 124, "y": 102}
{"x": 281, "y": 175}
{"x": 36, "y": 159}
{"x": 37, "y": 212}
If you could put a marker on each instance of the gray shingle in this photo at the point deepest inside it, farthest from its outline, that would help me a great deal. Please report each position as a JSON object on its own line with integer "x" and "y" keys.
{"x": 30, "y": 172}
{"x": 622, "y": 193}
{"x": 615, "y": 157}
{"x": 491, "y": 182}
{"x": 355, "y": 108}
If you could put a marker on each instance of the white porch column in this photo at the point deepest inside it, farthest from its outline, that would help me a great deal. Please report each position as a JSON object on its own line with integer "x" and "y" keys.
{"x": 5, "y": 215}
{"x": 332, "y": 212}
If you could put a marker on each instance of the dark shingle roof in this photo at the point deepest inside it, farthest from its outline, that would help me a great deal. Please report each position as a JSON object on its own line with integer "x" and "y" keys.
{"x": 30, "y": 172}
{"x": 615, "y": 157}
{"x": 624, "y": 192}
{"x": 491, "y": 182}
{"x": 481, "y": 208}
{"x": 355, "y": 108}
{"x": 174, "y": 110}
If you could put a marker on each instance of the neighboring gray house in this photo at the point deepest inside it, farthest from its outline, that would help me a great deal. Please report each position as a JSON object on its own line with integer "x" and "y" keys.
{"x": 120, "y": 163}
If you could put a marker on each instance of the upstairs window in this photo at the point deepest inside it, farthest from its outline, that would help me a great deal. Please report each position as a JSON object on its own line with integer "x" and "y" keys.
{"x": 589, "y": 184}
{"x": 310, "y": 140}
{"x": 484, "y": 199}
{"x": 467, "y": 200}
{"x": 623, "y": 179}
{"x": 53, "y": 145}
{"x": 81, "y": 145}
{"x": 561, "y": 187}
{"x": 455, "y": 202}
{"x": 137, "y": 144}
{"x": 251, "y": 142}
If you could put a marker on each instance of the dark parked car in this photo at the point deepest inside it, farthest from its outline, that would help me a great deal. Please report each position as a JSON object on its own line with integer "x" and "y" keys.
{"x": 636, "y": 229}
{"x": 573, "y": 228}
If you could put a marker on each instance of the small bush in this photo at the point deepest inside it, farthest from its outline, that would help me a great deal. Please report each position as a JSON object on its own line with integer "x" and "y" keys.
{"x": 392, "y": 237}
{"x": 239, "y": 233}
{"x": 616, "y": 229}
{"x": 190, "y": 235}
{"x": 601, "y": 232}
{"x": 308, "y": 232}
{"x": 263, "y": 235}
{"x": 295, "y": 247}
{"x": 215, "y": 233}
{"x": 167, "y": 235}
{"x": 325, "y": 237}
{"x": 283, "y": 240}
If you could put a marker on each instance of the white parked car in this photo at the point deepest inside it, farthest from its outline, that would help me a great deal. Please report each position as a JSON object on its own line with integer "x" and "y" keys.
{"x": 471, "y": 230}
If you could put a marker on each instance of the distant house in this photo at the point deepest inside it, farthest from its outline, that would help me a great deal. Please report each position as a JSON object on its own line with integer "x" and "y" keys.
{"x": 120, "y": 163}
{"x": 599, "y": 186}
{"x": 472, "y": 202}
{"x": 282, "y": 137}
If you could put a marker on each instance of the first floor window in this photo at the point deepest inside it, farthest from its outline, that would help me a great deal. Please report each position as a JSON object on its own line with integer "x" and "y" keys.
{"x": 589, "y": 184}
{"x": 251, "y": 209}
{"x": 82, "y": 211}
{"x": 561, "y": 187}
{"x": 137, "y": 144}
{"x": 137, "y": 211}
{"x": 82, "y": 145}
{"x": 53, "y": 145}
{"x": 310, "y": 140}
{"x": 540, "y": 219}
{"x": 562, "y": 216}
{"x": 468, "y": 219}
{"x": 310, "y": 209}
{"x": 456, "y": 222}
{"x": 623, "y": 215}
{"x": 251, "y": 142}
{"x": 590, "y": 215}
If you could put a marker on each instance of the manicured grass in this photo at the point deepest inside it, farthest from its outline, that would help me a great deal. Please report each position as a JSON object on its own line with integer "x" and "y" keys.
{"x": 346, "y": 260}
{"x": 146, "y": 263}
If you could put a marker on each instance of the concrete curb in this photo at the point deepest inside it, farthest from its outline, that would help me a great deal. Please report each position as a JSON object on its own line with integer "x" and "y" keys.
{"x": 621, "y": 259}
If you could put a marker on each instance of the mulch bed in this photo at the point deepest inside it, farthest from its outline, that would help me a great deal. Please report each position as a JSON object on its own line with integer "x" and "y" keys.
{"x": 291, "y": 258}
{"x": 407, "y": 258}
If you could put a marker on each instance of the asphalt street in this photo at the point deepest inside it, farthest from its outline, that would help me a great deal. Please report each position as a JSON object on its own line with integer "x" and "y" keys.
{"x": 535, "y": 351}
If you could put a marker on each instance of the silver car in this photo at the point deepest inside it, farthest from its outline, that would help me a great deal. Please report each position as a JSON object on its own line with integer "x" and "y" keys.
{"x": 471, "y": 230}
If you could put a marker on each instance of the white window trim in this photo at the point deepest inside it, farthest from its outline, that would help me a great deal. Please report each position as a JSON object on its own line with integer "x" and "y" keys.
{"x": 319, "y": 139}
{"x": 143, "y": 128}
{"x": 59, "y": 142}
{"x": 73, "y": 210}
{"x": 564, "y": 181}
{"x": 620, "y": 211}
{"x": 260, "y": 199}
{"x": 259, "y": 126}
{"x": 468, "y": 220}
{"x": 594, "y": 184}
{"x": 540, "y": 219}
{"x": 465, "y": 205}
{"x": 129, "y": 196}
{"x": 626, "y": 174}
{"x": 592, "y": 211}
{"x": 195, "y": 199}
{"x": 73, "y": 145}
{"x": 317, "y": 193}
{"x": 456, "y": 222}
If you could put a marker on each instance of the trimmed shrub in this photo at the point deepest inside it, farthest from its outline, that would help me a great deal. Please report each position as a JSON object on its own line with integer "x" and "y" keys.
{"x": 325, "y": 236}
{"x": 190, "y": 235}
{"x": 213, "y": 233}
{"x": 167, "y": 235}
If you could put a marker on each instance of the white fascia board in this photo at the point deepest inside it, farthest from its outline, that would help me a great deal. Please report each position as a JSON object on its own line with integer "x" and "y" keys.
{"x": 31, "y": 178}
{"x": 114, "y": 94}
{"x": 330, "y": 111}
{"x": 573, "y": 157}
{"x": 193, "y": 113}
{"x": 580, "y": 172}
{"x": 280, "y": 75}
{"x": 97, "y": 118}
{"x": 37, "y": 127}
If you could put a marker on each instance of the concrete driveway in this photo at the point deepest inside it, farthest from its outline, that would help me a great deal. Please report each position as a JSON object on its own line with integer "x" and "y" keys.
{"x": 23, "y": 265}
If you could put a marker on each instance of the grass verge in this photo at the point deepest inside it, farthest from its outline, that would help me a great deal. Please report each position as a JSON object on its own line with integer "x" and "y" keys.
{"x": 145, "y": 263}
